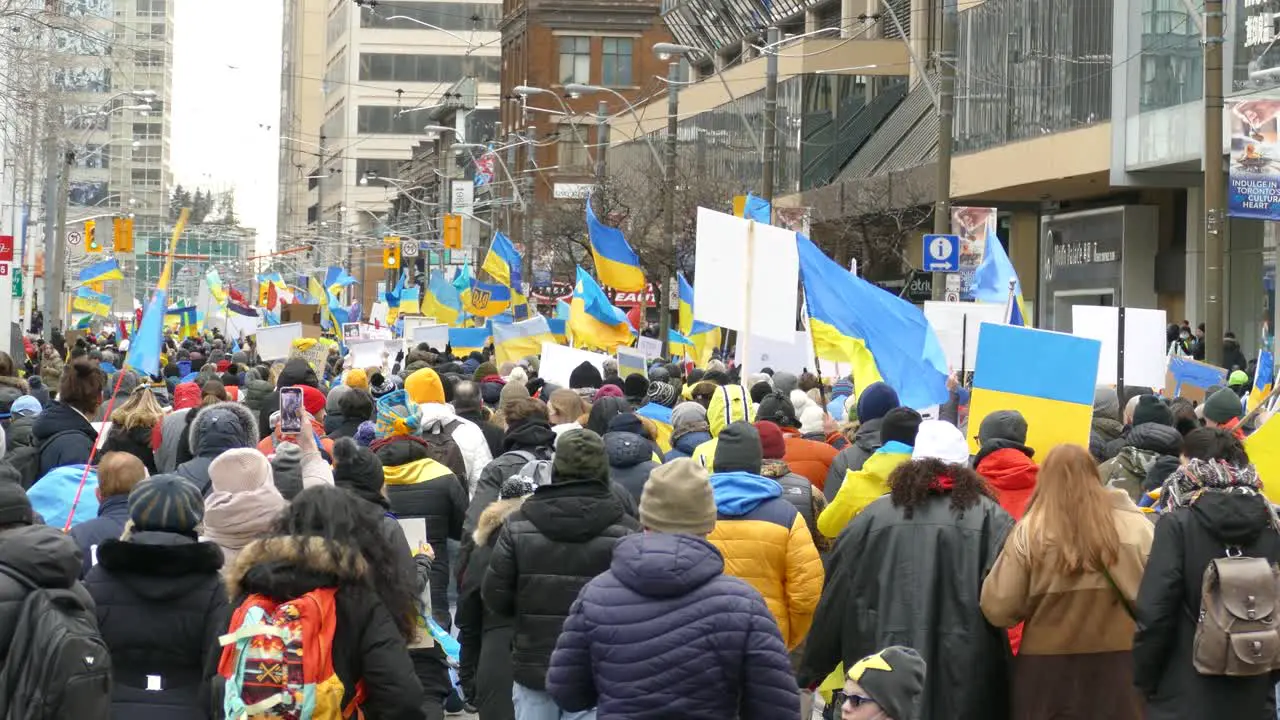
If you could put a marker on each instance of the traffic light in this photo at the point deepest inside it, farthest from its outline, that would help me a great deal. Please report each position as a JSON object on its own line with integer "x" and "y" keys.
{"x": 122, "y": 234}
{"x": 391, "y": 252}
{"x": 91, "y": 237}
{"x": 453, "y": 232}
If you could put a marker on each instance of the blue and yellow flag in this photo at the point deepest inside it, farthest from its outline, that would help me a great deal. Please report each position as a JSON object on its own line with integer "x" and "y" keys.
{"x": 98, "y": 272}
{"x": 486, "y": 300}
{"x": 703, "y": 338}
{"x": 558, "y": 329}
{"x": 462, "y": 278}
{"x": 1054, "y": 393}
{"x": 880, "y": 335}
{"x": 87, "y": 300}
{"x": 661, "y": 417}
{"x": 593, "y": 320}
{"x": 146, "y": 345}
{"x": 463, "y": 341}
{"x": 758, "y": 209}
{"x": 187, "y": 320}
{"x": 441, "y": 300}
{"x": 991, "y": 281}
{"x": 214, "y": 281}
{"x": 335, "y": 278}
{"x": 616, "y": 263}
{"x": 409, "y": 301}
{"x": 503, "y": 262}
{"x": 512, "y": 341}
{"x": 1264, "y": 377}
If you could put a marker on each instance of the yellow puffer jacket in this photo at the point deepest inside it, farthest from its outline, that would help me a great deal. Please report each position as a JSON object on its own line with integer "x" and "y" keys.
{"x": 862, "y": 487}
{"x": 765, "y": 542}
{"x": 729, "y": 404}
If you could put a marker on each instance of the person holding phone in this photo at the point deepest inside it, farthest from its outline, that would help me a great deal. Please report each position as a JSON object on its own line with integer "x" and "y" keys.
{"x": 300, "y": 406}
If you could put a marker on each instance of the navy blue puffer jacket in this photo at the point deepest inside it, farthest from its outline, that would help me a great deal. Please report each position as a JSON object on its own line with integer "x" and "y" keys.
{"x": 666, "y": 634}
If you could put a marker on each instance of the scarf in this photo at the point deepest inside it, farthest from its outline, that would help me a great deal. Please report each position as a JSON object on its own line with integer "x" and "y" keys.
{"x": 1188, "y": 482}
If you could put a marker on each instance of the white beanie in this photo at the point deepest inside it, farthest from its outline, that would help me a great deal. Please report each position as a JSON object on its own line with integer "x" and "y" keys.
{"x": 807, "y": 412}
{"x": 940, "y": 440}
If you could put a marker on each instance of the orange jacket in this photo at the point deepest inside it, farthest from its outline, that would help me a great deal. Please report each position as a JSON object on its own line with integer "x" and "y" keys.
{"x": 809, "y": 458}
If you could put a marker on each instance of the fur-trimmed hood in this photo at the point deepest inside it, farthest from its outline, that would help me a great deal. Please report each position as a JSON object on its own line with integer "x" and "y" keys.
{"x": 222, "y": 426}
{"x": 287, "y": 567}
{"x": 492, "y": 517}
{"x": 16, "y": 383}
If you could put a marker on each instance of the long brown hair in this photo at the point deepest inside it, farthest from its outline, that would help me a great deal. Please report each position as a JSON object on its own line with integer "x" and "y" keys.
{"x": 1071, "y": 509}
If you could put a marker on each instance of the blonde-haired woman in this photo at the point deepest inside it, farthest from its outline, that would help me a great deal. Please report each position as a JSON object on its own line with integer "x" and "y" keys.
{"x": 134, "y": 427}
{"x": 1070, "y": 570}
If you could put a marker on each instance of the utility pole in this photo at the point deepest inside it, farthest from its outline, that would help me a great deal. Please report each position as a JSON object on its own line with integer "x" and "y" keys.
{"x": 946, "y": 67}
{"x": 602, "y": 139}
{"x": 770, "y": 115}
{"x": 1214, "y": 183}
{"x": 669, "y": 204}
{"x": 53, "y": 243}
{"x": 526, "y": 213}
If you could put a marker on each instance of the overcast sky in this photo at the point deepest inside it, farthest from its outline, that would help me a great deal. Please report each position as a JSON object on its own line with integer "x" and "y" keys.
{"x": 226, "y": 103}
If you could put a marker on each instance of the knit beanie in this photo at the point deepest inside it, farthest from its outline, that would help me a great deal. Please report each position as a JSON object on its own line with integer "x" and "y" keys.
{"x": 511, "y": 391}
{"x": 380, "y": 385}
{"x": 760, "y": 391}
{"x": 940, "y": 440}
{"x": 15, "y": 506}
{"x": 580, "y": 455}
{"x": 894, "y": 679}
{"x": 1003, "y": 425}
{"x": 635, "y": 387}
{"x": 1221, "y": 407}
{"x": 777, "y": 409}
{"x": 286, "y": 469}
{"x": 244, "y": 502}
{"x": 358, "y": 470}
{"x": 900, "y": 425}
{"x": 357, "y": 378}
{"x": 366, "y": 433}
{"x": 1154, "y": 409}
{"x": 584, "y": 376}
{"x": 677, "y": 498}
{"x": 810, "y": 416}
{"x": 424, "y": 386}
{"x": 660, "y": 393}
{"x": 607, "y": 390}
{"x": 784, "y": 382}
{"x": 687, "y": 413}
{"x": 312, "y": 399}
{"x": 1105, "y": 403}
{"x": 167, "y": 503}
{"x": 738, "y": 448}
{"x": 772, "y": 445}
{"x": 484, "y": 370}
{"x": 875, "y": 401}
{"x": 842, "y": 388}
{"x": 335, "y": 396}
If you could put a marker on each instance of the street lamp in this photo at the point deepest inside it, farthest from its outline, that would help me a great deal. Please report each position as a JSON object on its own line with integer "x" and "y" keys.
{"x": 526, "y": 90}
{"x": 575, "y": 89}
{"x": 665, "y": 51}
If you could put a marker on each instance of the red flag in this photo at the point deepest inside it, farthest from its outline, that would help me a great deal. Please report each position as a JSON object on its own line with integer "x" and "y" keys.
{"x": 235, "y": 296}
{"x": 273, "y": 300}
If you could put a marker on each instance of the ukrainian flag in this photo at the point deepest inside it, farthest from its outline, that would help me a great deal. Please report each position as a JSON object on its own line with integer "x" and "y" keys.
{"x": 885, "y": 338}
{"x": 704, "y": 338}
{"x": 557, "y": 326}
{"x": 503, "y": 262}
{"x": 661, "y": 417}
{"x": 513, "y": 341}
{"x": 441, "y": 299}
{"x": 462, "y": 278}
{"x": 1192, "y": 373}
{"x": 409, "y": 301}
{"x": 758, "y": 209}
{"x": 98, "y": 272}
{"x": 593, "y": 320}
{"x": 92, "y": 302}
{"x": 991, "y": 281}
{"x": 336, "y": 278}
{"x": 187, "y": 320}
{"x": 616, "y": 263}
{"x": 486, "y": 299}
{"x": 1054, "y": 391}
{"x": 463, "y": 341}
{"x": 1263, "y": 379}
{"x": 214, "y": 281}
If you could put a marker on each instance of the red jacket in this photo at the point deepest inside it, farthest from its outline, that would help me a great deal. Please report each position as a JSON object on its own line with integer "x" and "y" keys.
{"x": 1013, "y": 476}
{"x": 808, "y": 458}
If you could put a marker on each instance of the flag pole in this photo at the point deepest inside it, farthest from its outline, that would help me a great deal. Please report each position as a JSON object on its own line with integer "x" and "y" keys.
{"x": 1008, "y": 311}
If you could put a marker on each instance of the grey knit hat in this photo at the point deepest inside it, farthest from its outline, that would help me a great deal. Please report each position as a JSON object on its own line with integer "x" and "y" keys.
{"x": 677, "y": 498}
{"x": 166, "y": 503}
{"x": 286, "y": 468}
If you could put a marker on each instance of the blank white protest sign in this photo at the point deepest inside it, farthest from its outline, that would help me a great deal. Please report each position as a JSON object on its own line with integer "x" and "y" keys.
{"x": 746, "y": 288}
{"x": 956, "y": 325}
{"x": 275, "y": 342}
{"x": 1144, "y": 347}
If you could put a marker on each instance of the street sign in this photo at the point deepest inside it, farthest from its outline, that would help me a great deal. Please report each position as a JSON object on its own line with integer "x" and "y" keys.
{"x": 4, "y": 269}
{"x": 74, "y": 237}
{"x": 409, "y": 248}
{"x": 942, "y": 253}
{"x": 953, "y": 297}
{"x": 6, "y": 248}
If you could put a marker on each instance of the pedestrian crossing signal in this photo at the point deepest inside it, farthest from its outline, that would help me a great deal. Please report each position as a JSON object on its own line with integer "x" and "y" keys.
{"x": 91, "y": 244}
{"x": 391, "y": 253}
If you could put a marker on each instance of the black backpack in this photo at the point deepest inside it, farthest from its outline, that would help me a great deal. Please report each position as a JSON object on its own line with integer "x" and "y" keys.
{"x": 26, "y": 460}
{"x": 442, "y": 448}
{"x": 57, "y": 665}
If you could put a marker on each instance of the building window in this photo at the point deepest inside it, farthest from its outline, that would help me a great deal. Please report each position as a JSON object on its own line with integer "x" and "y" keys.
{"x": 386, "y": 67}
{"x": 146, "y": 153}
{"x": 151, "y": 7}
{"x": 615, "y": 68}
{"x": 575, "y": 60}
{"x": 443, "y": 15}
{"x": 386, "y": 119}
{"x": 145, "y": 177}
{"x": 571, "y": 148}
{"x": 380, "y": 168}
{"x": 146, "y": 131}
{"x": 94, "y": 156}
{"x": 148, "y": 58}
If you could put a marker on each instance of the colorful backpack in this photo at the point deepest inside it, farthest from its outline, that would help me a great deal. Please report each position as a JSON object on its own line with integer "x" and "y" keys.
{"x": 277, "y": 661}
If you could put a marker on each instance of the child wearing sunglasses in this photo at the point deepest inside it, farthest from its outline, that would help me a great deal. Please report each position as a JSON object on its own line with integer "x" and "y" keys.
{"x": 883, "y": 686}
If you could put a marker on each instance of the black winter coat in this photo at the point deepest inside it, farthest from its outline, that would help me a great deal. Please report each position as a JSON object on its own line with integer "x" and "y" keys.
{"x": 366, "y": 643}
{"x": 917, "y": 582}
{"x": 43, "y": 555}
{"x": 547, "y": 551}
{"x": 19, "y": 432}
{"x": 113, "y": 513}
{"x": 866, "y": 440}
{"x": 64, "y": 437}
{"x": 532, "y": 436}
{"x": 295, "y": 372}
{"x": 630, "y": 461}
{"x": 485, "y": 670}
{"x": 161, "y": 607}
{"x": 136, "y": 442}
{"x": 1186, "y": 540}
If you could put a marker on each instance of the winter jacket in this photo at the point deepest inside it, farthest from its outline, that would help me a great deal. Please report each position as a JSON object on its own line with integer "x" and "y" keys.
{"x": 64, "y": 437}
{"x": 802, "y": 495}
{"x": 113, "y": 513}
{"x": 630, "y": 461}
{"x": 547, "y": 550}
{"x": 916, "y": 582}
{"x": 337, "y": 425}
{"x": 862, "y": 487}
{"x": 683, "y": 446}
{"x": 534, "y": 436}
{"x": 1102, "y": 433}
{"x": 173, "y": 428}
{"x": 45, "y": 556}
{"x": 810, "y": 458}
{"x": 136, "y": 442}
{"x": 295, "y": 372}
{"x": 255, "y": 395}
{"x": 493, "y": 435}
{"x": 1186, "y": 539}
{"x": 729, "y": 404}
{"x": 267, "y": 445}
{"x": 19, "y": 432}
{"x": 424, "y": 488}
{"x": 664, "y": 633}
{"x": 437, "y": 417}
{"x": 1012, "y": 473}
{"x": 1232, "y": 357}
{"x": 215, "y": 429}
{"x": 764, "y": 541}
{"x": 367, "y": 645}
{"x": 485, "y": 670}
{"x": 1145, "y": 444}
{"x": 1076, "y": 632}
{"x": 161, "y": 607}
{"x": 866, "y": 440}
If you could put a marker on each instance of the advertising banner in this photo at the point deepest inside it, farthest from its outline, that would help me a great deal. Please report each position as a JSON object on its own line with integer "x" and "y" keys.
{"x": 1253, "y": 190}
{"x": 974, "y": 225}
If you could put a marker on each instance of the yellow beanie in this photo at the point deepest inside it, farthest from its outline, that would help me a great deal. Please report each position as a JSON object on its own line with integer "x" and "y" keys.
{"x": 358, "y": 379}
{"x": 424, "y": 387}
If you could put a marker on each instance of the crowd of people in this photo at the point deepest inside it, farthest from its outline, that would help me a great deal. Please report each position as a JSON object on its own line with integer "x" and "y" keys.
{"x": 450, "y": 534}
